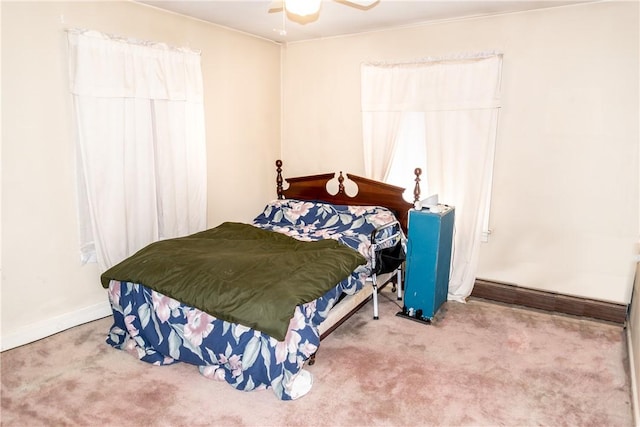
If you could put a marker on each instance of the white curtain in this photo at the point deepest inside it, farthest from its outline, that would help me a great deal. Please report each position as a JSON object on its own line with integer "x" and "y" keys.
{"x": 140, "y": 142}
{"x": 441, "y": 115}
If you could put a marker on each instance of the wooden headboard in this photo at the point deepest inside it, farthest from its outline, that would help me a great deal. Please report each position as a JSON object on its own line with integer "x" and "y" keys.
{"x": 370, "y": 192}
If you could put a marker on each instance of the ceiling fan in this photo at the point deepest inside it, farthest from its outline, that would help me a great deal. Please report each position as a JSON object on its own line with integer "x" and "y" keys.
{"x": 304, "y": 11}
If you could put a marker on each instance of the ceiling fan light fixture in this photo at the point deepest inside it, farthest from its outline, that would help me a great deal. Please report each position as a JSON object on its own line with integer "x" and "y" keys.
{"x": 302, "y": 7}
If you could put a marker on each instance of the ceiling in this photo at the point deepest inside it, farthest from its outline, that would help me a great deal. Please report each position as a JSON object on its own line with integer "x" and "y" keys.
{"x": 338, "y": 18}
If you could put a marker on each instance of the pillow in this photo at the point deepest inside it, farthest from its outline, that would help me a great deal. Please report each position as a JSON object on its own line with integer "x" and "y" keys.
{"x": 320, "y": 215}
{"x": 305, "y": 220}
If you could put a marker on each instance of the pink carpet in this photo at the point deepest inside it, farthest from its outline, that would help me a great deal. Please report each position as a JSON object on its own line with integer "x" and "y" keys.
{"x": 481, "y": 364}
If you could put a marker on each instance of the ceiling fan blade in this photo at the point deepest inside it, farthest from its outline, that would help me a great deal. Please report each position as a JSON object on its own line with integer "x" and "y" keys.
{"x": 276, "y": 6}
{"x": 360, "y": 4}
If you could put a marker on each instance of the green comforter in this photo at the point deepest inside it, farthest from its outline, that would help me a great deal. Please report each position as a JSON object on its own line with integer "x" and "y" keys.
{"x": 240, "y": 273}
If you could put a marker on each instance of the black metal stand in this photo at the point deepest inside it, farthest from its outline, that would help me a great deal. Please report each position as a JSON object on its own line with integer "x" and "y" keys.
{"x": 424, "y": 321}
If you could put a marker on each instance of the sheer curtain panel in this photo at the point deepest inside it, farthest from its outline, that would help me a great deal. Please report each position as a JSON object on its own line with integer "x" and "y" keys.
{"x": 141, "y": 150}
{"x": 439, "y": 114}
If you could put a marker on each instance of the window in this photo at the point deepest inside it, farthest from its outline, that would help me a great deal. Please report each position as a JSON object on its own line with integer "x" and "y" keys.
{"x": 441, "y": 115}
{"x": 140, "y": 143}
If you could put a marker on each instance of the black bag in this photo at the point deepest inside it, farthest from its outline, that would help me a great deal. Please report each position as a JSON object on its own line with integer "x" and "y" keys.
{"x": 389, "y": 259}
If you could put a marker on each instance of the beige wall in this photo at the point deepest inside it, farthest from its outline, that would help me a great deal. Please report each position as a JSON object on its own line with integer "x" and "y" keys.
{"x": 565, "y": 207}
{"x": 565, "y": 197}
{"x": 44, "y": 287}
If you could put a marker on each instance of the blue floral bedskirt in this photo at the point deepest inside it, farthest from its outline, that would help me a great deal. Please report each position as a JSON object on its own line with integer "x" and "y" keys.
{"x": 160, "y": 330}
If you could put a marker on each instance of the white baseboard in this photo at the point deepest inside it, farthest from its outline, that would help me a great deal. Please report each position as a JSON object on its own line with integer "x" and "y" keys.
{"x": 635, "y": 405}
{"x": 43, "y": 329}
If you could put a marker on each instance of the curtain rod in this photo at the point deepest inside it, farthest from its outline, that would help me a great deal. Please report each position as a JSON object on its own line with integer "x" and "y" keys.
{"x": 459, "y": 57}
{"x": 129, "y": 40}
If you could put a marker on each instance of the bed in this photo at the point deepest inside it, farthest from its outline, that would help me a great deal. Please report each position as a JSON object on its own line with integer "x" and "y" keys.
{"x": 317, "y": 261}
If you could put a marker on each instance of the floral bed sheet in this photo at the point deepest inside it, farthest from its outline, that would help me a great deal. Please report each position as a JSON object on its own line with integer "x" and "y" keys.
{"x": 160, "y": 330}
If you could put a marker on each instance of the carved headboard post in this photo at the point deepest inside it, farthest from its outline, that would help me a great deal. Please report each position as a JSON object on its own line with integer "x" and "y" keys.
{"x": 340, "y": 183}
{"x": 416, "y": 189}
{"x": 279, "y": 179}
